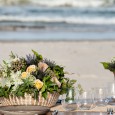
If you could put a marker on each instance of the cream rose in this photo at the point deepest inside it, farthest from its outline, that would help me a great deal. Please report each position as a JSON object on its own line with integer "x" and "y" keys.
{"x": 31, "y": 68}
{"x": 38, "y": 84}
{"x": 24, "y": 75}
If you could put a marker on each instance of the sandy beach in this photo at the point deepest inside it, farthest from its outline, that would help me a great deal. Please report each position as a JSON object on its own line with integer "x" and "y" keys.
{"x": 82, "y": 58}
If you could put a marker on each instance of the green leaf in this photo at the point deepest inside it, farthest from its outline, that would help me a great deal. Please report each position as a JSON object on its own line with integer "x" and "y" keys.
{"x": 46, "y": 78}
{"x": 39, "y": 57}
{"x": 12, "y": 56}
{"x": 80, "y": 89}
{"x": 49, "y": 83}
{"x": 43, "y": 88}
{"x": 44, "y": 94}
{"x": 50, "y": 90}
{"x": 58, "y": 71}
{"x": 1, "y": 92}
{"x": 105, "y": 65}
{"x": 36, "y": 94}
{"x": 5, "y": 62}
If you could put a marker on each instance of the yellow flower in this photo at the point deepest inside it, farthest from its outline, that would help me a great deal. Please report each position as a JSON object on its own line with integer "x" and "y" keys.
{"x": 24, "y": 75}
{"x": 38, "y": 84}
{"x": 31, "y": 68}
{"x": 42, "y": 66}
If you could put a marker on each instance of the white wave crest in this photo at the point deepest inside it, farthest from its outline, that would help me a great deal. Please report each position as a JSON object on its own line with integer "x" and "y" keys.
{"x": 69, "y": 20}
{"x": 53, "y": 3}
{"x": 75, "y": 3}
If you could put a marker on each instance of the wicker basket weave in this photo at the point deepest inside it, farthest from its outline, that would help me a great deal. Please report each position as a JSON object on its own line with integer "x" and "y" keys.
{"x": 28, "y": 100}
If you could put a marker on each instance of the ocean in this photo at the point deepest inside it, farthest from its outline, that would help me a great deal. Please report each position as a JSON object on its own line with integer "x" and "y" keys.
{"x": 58, "y": 20}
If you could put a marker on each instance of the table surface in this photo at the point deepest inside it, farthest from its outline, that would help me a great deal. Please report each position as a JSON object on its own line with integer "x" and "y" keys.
{"x": 79, "y": 113}
{"x": 76, "y": 113}
{"x": 97, "y": 111}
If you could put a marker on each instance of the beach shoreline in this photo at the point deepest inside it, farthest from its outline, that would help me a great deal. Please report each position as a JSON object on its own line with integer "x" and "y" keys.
{"x": 82, "y": 58}
{"x": 56, "y": 41}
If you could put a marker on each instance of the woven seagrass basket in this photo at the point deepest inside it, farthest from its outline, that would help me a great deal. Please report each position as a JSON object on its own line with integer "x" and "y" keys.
{"x": 29, "y": 100}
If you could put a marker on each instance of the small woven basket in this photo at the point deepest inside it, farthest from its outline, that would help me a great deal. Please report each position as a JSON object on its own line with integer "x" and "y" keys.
{"x": 29, "y": 100}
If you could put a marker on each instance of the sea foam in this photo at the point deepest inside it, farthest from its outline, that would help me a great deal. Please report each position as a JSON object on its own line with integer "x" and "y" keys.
{"x": 75, "y": 3}
{"x": 53, "y": 3}
{"x": 69, "y": 20}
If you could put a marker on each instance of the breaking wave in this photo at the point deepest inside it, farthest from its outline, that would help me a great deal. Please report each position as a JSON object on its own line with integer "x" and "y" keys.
{"x": 69, "y": 20}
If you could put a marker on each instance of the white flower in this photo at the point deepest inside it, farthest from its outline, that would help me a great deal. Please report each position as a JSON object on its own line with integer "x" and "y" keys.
{"x": 16, "y": 79}
{"x": 2, "y": 81}
{"x": 4, "y": 74}
{"x": 5, "y": 82}
{"x": 8, "y": 63}
{"x": 8, "y": 82}
{"x": 15, "y": 59}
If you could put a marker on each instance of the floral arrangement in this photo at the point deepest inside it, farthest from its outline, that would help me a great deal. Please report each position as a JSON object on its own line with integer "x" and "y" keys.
{"x": 32, "y": 75}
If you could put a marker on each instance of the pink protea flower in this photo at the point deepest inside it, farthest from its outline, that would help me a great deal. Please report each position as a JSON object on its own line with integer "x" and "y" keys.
{"x": 42, "y": 66}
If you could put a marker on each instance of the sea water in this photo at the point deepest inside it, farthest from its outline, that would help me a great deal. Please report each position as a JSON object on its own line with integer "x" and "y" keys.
{"x": 58, "y": 20}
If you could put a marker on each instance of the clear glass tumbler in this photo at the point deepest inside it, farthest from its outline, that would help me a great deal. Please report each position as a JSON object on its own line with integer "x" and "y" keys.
{"x": 86, "y": 101}
{"x": 111, "y": 90}
{"x": 69, "y": 101}
{"x": 111, "y": 93}
{"x": 100, "y": 96}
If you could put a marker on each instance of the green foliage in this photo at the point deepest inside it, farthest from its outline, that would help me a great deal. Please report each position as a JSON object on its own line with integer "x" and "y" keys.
{"x": 26, "y": 87}
{"x": 79, "y": 88}
{"x": 105, "y": 65}
{"x": 33, "y": 59}
{"x": 59, "y": 71}
{"x": 66, "y": 83}
{"x": 12, "y": 55}
{"x": 38, "y": 56}
{"x": 109, "y": 65}
{"x": 63, "y": 86}
{"x": 70, "y": 83}
{"x": 48, "y": 86}
{"x": 70, "y": 94}
{"x": 1, "y": 73}
{"x": 5, "y": 91}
